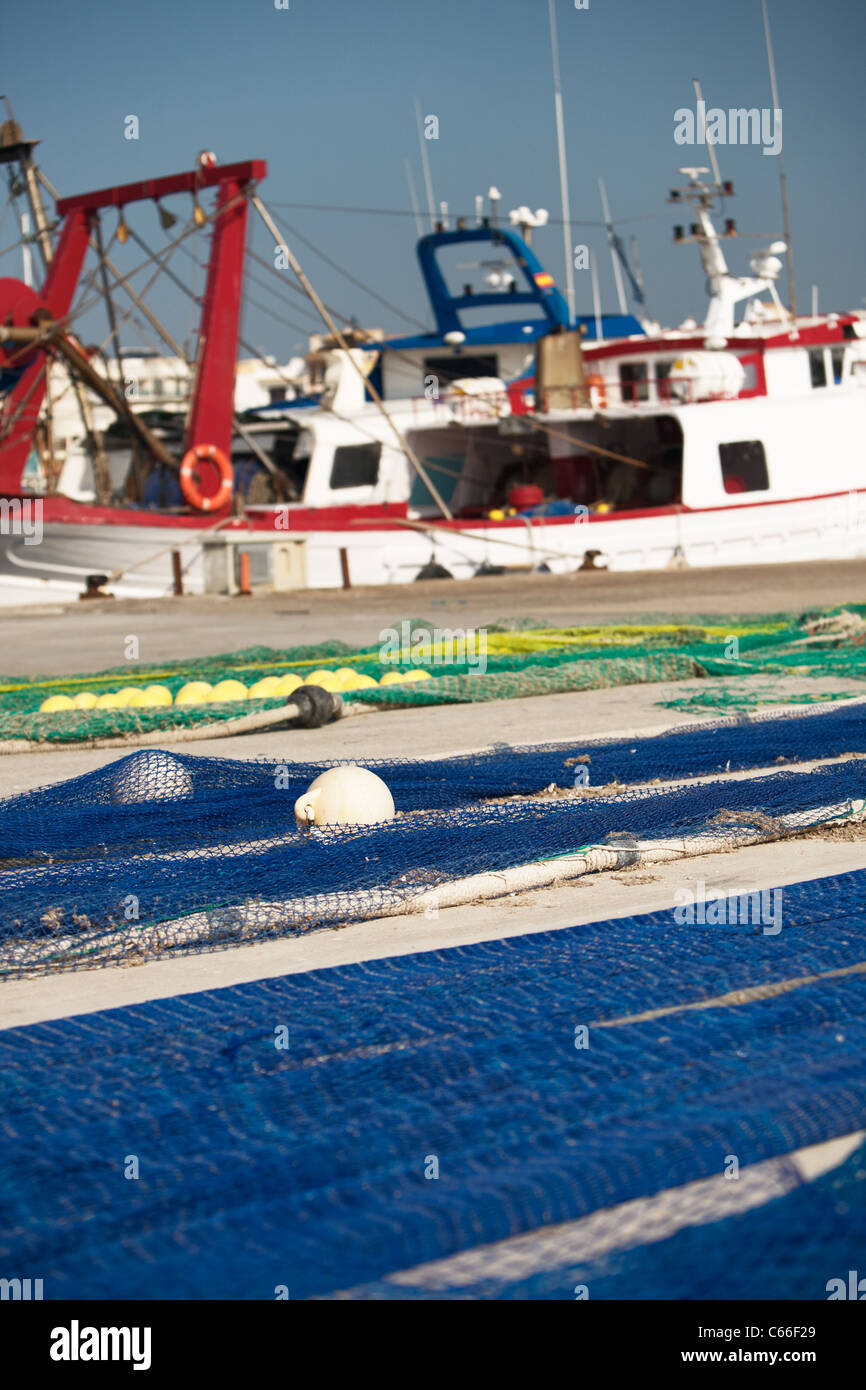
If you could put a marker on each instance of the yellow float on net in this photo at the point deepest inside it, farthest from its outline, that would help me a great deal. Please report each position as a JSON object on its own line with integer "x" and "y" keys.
{"x": 111, "y": 699}
{"x": 127, "y": 692}
{"x": 228, "y": 690}
{"x": 150, "y": 696}
{"x": 417, "y": 673}
{"x": 55, "y": 703}
{"x": 359, "y": 682}
{"x": 158, "y": 694}
{"x": 265, "y": 689}
{"x": 327, "y": 680}
{"x": 85, "y": 699}
{"x": 194, "y": 693}
{"x": 288, "y": 683}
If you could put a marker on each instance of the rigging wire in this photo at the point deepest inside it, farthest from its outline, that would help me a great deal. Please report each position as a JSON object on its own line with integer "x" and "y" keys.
{"x": 162, "y": 267}
{"x": 360, "y": 283}
{"x": 289, "y": 284}
{"x": 469, "y": 217}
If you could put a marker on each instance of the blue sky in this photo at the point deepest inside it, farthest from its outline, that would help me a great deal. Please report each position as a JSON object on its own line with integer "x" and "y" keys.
{"x": 323, "y": 91}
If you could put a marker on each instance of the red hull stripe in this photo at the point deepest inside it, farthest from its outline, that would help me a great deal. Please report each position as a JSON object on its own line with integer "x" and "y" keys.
{"x": 806, "y": 336}
{"x": 63, "y": 511}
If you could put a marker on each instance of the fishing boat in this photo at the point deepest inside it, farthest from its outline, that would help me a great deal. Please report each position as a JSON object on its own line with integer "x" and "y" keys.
{"x": 534, "y": 440}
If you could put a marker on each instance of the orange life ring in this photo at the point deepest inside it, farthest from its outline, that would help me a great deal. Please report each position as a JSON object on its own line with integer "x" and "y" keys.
{"x": 597, "y": 390}
{"x": 189, "y": 487}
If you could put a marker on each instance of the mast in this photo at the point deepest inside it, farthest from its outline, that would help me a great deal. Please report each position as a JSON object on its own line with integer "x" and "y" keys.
{"x": 617, "y": 273}
{"x": 725, "y": 289}
{"x": 425, "y": 164}
{"x": 413, "y": 198}
{"x": 783, "y": 181}
{"x": 596, "y": 298}
{"x": 19, "y": 150}
{"x": 563, "y": 168}
{"x": 638, "y": 277}
{"x": 702, "y": 130}
{"x": 26, "y": 249}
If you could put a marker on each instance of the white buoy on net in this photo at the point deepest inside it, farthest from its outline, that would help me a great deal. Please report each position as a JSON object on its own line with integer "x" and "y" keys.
{"x": 345, "y": 796}
{"x": 150, "y": 775}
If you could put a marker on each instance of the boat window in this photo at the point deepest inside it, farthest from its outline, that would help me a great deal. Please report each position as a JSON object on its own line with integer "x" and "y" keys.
{"x": 603, "y": 465}
{"x": 744, "y": 466}
{"x": 633, "y": 382}
{"x": 817, "y": 367}
{"x": 356, "y": 465}
{"x": 291, "y": 453}
{"x": 837, "y": 357}
{"x": 458, "y": 367}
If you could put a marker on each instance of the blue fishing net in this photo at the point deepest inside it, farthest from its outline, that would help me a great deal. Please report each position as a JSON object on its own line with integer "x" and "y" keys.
{"x": 334, "y": 1131}
{"x": 102, "y": 867}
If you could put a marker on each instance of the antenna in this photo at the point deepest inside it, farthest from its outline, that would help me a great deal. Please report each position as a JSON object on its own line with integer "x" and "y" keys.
{"x": 596, "y": 300}
{"x": 413, "y": 197}
{"x": 783, "y": 181}
{"x": 26, "y": 252}
{"x": 702, "y": 123}
{"x": 725, "y": 289}
{"x": 617, "y": 274}
{"x": 638, "y": 273}
{"x": 563, "y": 169}
{"x": 425, "y": 164}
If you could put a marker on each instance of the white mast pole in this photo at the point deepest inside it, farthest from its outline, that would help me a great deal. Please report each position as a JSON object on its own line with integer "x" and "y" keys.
{"x": 783, "y": 181}
{"x": 413, "y": 197}
{"x": 563, "y": 169}
{"x": 614, "y": 259}
{"x": 26, "y": 252}
{"x": 425, "y": 164}
{"x": 596, "y": 299}
{"x": 711, "y": 149}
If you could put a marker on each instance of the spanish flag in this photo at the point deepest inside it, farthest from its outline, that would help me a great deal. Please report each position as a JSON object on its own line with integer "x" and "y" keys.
{"x": 543, "y": 280}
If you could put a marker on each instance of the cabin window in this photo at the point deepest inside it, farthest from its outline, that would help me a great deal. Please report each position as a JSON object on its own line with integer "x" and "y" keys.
{"x": 459, "y": 367}
{"x": 356, "y": 465}
{"x": 631, "y": 463}
{"x": 837, "y": 357}
{"x": 744, "y": 466}
{"x": 633, "y": 382}
{"x": 276, "y": 394}
{"x": 817, "y": 367}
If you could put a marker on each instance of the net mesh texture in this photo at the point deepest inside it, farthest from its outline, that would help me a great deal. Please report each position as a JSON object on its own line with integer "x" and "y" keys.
{"x": 515, "y": 664}
{"x": 335, "y": 1132}
{"x": 158, "y": 853}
